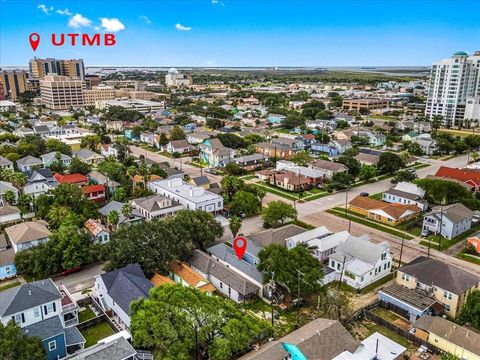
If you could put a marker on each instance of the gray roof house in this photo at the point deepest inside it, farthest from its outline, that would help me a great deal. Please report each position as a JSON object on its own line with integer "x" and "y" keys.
{"x": 450, "y": 220}
{"x": 117, "y": 206}
{"x": 100, "y": 179}
{"x": 155, "y": 206}
{"x": 117, "y": 289}
{"x": 276, "y": 236}
{"x": 115, "y": 349}
{"x": 51, "y": 157}
{"x": 227, "y": 281}
{"x": 5, "y": 163}
{"x": 88, "y": 156}
{"x": 27, "y": 234}
{"x": 28, "y": 163}
{"x": 406, "y": 193}
{"x": 39, "y": 182}
{"x": 7, "y": 186}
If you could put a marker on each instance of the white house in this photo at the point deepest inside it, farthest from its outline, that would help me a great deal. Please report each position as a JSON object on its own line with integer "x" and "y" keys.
{"x": 98, "y": 232}
{"x": 178, "y": 146}
{"x": 39, "y": 183}
{"x": 7, "y": 186}
{"x": 155, "y": 206}
{"x": 108, "y": 150}
{"x": 406, "y": 193}
{"x": 28, "y": 163}
{"x": 9, "y": 214}
{"x": 360, "y": 262}
{"x": 191, "y": 197}
{"x": 450, "y": 220}
{"x": 52, "y": 157}
{"x": 5, "y": 163}
{"x": 88, "y": 156}
{"x": 27, "y": 235}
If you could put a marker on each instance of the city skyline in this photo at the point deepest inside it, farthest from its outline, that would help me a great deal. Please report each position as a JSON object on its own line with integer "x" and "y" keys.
{"x": 212, "y": 33}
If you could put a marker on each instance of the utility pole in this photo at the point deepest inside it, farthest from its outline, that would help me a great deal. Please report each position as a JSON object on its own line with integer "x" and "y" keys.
{"x": 272, "y": 286}
{"x": 341, "y": 273}
{"x": 298, "y": 298}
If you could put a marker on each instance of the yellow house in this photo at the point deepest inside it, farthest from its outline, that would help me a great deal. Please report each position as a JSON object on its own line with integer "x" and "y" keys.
{"x": 445, "y": 283}
{"x": 448, "y": 336}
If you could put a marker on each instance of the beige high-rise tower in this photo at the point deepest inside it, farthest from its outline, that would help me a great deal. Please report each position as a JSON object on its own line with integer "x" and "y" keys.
{"x": 71, "y": 68}
{"x": 60, "y": 92}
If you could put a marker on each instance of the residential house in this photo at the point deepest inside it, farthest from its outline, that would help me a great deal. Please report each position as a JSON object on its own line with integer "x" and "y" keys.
{"x": 9, "y": 214}
{"x": 200, "y": 181}
{"x": 449, "y": 221}
{"x": 274, "y": 150}
{"x": 178, "y": 146}
{"x": 184, "y": 275}
{"x": 88, "y": 156}
{"x": 325, "y": 125}
{"x": 410, "y": 136}
{"x": 288, "y": 180}
{"x": 246, "y": 266}
{"x": 39, "y": 182}
{"x": 5, "y": 163}
{"x": 29, "y": 163}
{"x": 155, "y": 206}
{"x": 111, "y": 348}
{"x": 117, "y": 289}
{"x": 97, "y": 231}
{"x": 196, "y": 138}
{"x": 47, "y": 311}
{"x": 367, "y": 159}
{"x": 7, "y": 256}
{"x": 118, "y": 207}
{"x": 108, "y": 150}
{"x": 374, "y": 139}
{"x": 406, "y": 193}
{"x": 28, "y": 234}
{"x": 333, "y": 148}
{"x": 427, "y": 144}
{"x": 23, "y": 132}
{"x": 53, "y": 157}
{"x": 251, "y": 162}
{"x": 446, "y": 284}
{"x": 140, "y": 181}
{"x": 7, "y": 186}
{"x": 98, "y": 178}
{"x": 226, "y": 281}
{"x": 328, "y": 168}
{"x": 360, "y": 261}
{"x": 448, "y": 336}
{"x": 77, "y": 179}
{"x": 294, "y": 144}
{"x": 191, "y": 197}
{"x": 277, "y": 236}
{"x": 94, "y": 192}
{"x": 147, "y": 137}
{"x": 387, "y": 213}
{"x": 275, "y": 119}
{"x": 468, "y": 176}
{"x": 214, "y": 153}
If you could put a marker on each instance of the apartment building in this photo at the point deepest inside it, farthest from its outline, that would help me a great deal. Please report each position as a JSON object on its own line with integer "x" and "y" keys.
{"x": 143, "y": 106}
{"x": 14, "y": 83}
{"x": 175, "y": 79}
{"x": 73, "y": 68}
{"x": 362, "y": 105}
{"x": 60, "y": 92}
{"x": 99, "y": 93}
{"x": 454, "y": 89}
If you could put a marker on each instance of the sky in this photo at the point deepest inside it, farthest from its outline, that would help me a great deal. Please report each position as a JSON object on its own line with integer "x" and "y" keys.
{"x": 244, "y": 32}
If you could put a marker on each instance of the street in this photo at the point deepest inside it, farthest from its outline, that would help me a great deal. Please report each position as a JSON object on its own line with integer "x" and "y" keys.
{"x": 81, "y": 280}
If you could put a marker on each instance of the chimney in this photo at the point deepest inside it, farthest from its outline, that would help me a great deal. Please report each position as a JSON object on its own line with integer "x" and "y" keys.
{"x": 29, "y": 292}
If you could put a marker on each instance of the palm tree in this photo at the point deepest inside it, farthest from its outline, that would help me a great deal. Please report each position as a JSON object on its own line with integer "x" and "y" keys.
{"x": 235, "y": 224}
{"x": 113, "y": 218}
{"x": 9, "y": 197}
{"x": 127, "y": 210}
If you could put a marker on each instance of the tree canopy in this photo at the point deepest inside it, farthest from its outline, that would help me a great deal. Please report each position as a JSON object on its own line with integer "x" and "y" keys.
{"x": 15, "y": 345}
{"x": 389, "y": 163}
{"x": 277, "y": 212}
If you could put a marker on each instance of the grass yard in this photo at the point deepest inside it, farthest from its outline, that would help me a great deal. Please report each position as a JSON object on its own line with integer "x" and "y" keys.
{"x": 8, "y": 286}
{"x": 86, "y": 314}
{"x": 377, "y": 196}
{"x": 469, "y": 257}
{"x": 445, "y": 243}
{"x": 95, "y": 333}
{"x": 302, "y": 224}
{"x": 276, "y": 191}
{"x": 386, "y": 314}
{"x": 248, "y": 177}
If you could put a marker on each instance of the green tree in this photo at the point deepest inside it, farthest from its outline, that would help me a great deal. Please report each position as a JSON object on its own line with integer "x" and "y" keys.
{"x": 15, "y": 345}
{"x": 288, "y": 265}
{"x": 55, "y": 145}
{"x": 302, "y": 158}
{"x": 368, "y": 172}
{"x": 163, "y": 139}
{"x": 390, "y": 163}
{"x": 233, "y": 169}
{"x": 231, "y": 185}
{"x": 277, "y": 212}
{"x": 341, "y": 180}
{"x": 127, "y": 210}
{"x": 201, "y": 227}
{"x": 77, "y": 166}
{"x": 9, "y": 197}
{"x": 353, "y": 165}
{"x": 470, "y": 312}
{"x": 112, "y": 218}
{"x": 177, "y": 133}
{"x": 244, "y": 202}
{"x": 235, "y": 224}
{"x": 174, "y": 316}
{"x": 404, "y": 175}
{"x": 90, "y": 142}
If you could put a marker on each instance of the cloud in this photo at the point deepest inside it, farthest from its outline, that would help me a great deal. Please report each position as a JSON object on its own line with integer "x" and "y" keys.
{"x": 45, "y": 9}
{"x": 181, "y": 27}
{"x": 77, "y": 21}
{"x": 64, "y": 12}
{"x": 217, "y": 2}
{"x": 146, "y": 19}
{"x": 112, "y": 24}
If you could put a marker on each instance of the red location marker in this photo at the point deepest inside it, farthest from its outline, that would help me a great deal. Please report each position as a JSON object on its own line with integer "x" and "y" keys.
{"x": 34, "y": 40}
{"x": 240, "y": 246}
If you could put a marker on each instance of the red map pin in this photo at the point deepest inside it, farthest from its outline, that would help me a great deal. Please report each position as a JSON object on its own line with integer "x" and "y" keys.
{"x": 34, "y": 40}
{"x": 240, "y": 246}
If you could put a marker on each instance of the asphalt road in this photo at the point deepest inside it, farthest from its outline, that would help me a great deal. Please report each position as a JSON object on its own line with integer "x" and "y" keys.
{"x": 81, "y": 280}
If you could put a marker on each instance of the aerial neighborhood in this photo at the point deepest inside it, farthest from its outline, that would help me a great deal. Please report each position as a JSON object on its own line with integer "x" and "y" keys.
{"x": 124, "y": 194}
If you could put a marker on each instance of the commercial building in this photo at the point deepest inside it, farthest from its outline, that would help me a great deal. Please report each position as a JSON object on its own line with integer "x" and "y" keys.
{"x": 99, "y": 93}
{"x": 362, "y": 105}
{"x": 143, "y": 106}
{"x": 60, "y": 92}
{"x": 73, "y": 68}
{"x": 454, "y": 90}
{"x": 14, "y": 83}
{"x": 175, "y": 79}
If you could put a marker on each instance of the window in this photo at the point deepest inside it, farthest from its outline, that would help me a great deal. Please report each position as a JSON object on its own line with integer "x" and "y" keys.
{"x": 19, "y": 318}
{"x": 405, "y": 277}
{"x": 447, "y": 295}
{"x": 384, "y": 256}
{"x": 36, "y": 312}
{"x": 52, "y": 345}
{"x": 50, "y": 308}
{"x": 447, "y": 307}
{"x": 221, "y": 285}
{"x": 7, "y": 269}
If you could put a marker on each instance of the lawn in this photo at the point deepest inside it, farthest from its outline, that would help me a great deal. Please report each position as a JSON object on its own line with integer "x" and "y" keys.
{"x": 86, "y": 314}
{"x": 95, "y": 333}
{"x": 377, "y": 196}
{"x": 468, "y": 257}
{"x": 386, "y": 314}
{"x": 445, "y": 243}
{"x": 248, "y": 177}
{"x": 276, "y": 191}
{"x": 302, "y": 224}
{"x": 8, "y": 286}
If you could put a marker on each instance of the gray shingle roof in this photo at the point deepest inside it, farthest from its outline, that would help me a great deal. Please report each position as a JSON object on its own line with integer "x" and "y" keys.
{"x": 27, "y": 296}
{"x": 4, "y": 161}
{"x": 437, "y": 273}
{"x": 276, "y": 236}
{"x": 126, "y": 285}
{"x": 45, "y": 329}
{"x": 358, "y": 248}
{"x": 117, "y": 206}
{"x": 201, "y": 180}
{"x": 29, "y": 161}
{"x": 454, "y": 212}
{"x": 207, "y": 265}
{"x": 117, "y": 349}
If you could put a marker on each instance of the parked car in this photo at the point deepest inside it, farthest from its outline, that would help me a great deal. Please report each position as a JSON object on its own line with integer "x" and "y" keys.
{"x": 364, "y": 194}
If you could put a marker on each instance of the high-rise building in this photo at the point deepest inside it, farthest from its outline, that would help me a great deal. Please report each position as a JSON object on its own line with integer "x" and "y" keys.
{"x": 454, "y": 90}
{"x": 71, "y": 68}
{"x": 14, "y": 83}
{"x": 176, "y": 79}
{"x": 61, "y": 92}
{"x": 99, "y": 93}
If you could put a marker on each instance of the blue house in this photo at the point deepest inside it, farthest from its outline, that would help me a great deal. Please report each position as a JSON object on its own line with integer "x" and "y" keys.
{"x": 7, "y": 267}
{"x": 189, "y": 127}
{"x": 275, "y": 118}
{"x": 129, "y": 135}
{"x": 325, "y": 148}
{"x": 45, "y": 310}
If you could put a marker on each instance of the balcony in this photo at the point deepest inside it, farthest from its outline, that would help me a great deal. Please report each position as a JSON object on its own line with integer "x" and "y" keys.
{"x": 68, "y": 303}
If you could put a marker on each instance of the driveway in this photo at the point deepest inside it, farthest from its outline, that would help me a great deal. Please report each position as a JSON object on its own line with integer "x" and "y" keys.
{"x": 81, "y": 280}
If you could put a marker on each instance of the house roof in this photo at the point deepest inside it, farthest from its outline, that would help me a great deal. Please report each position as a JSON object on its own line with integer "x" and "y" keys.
{"x": 276, "y": 236}
{"x": 408, "y": 296}
{"x": 139, "y": 179}
{"x": 179, "y": 144}
{"x": 53, "y": 155}
{"x": 159, "y": 280}
{"x": 7, "y": 257}
{"x": 393, "y": 210}
{"x": 191, "y": 277}
{"x": 29, "y": 161}
{"x": 208, "y": 265}
{"x": 89, "y": 189}
{"x": 117, "y": 349}
{"x": 5, "y": 185}
{"x": 329, "y": 165}
{"x": 51, "y": 327}
{"x": 435, "y": 272}
{"x": 27, "y": 296}
{"x": 117, "y": 206}
{"x": 87, "y": 154}
{"x": 27, "y": 231}
{"x": 4, "y": 161}
{"x": 360, "y": 248}
{"x": 126, "y": 285}
{"x": 153, "y": 203}
{"x": 454, "y": 212}
{"x": 8, "y": 209}
{"x": 462, "y": 337}
{"x": 46, "y": 173}
{"x": 459, "y": 174}
{"x": 95, "y": 227}
{"x": 367, "y": 158}
{"x": 201, "y": 180}
{"x": 70, "y": 178}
